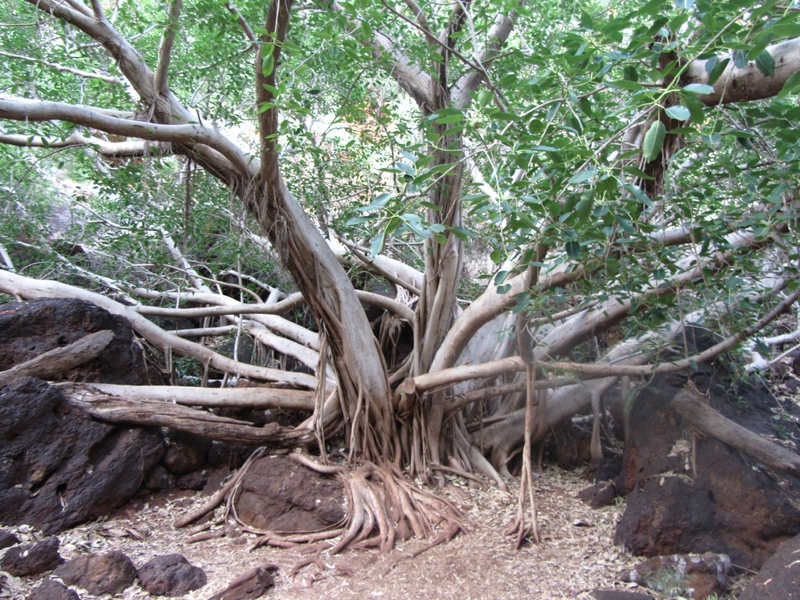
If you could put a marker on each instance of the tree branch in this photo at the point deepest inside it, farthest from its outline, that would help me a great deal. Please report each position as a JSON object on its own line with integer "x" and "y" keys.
{"x": 748, "y": 83}
{"x": 65, "y": 69}
{"x": 165, "y": 49}
{"x": 77, "y": 139}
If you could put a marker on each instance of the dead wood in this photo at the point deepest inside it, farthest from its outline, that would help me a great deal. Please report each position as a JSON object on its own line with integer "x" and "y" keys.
{"x": 57, "y": 361}
{"x": 255, "y": 397}
{"x": 118, "y": 409}
{"x": 708, "y": 421}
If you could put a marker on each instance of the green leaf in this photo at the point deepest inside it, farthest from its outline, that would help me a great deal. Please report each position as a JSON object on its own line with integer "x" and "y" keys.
{"x": 377, "y": 204}
{"x": 496, "y": 256}
{"x": 430, "y": 205}
{"x": 717, "y": 70}
{"x": 450, "y": 119}
{"x": 678, "y": 112}
{"x": 654, "y": 141}
{"x": 573, "y": 249}
{"x": 790, "y": 85}
{"x": 699, "y": 88}
{"x": 765, "y": 63}
{"x": 377, "y": 245}
{"x": 582, "y": 176}
{"x": 268, "y": 65}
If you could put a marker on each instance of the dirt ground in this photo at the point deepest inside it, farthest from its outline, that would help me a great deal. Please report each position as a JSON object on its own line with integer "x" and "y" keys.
{"x": 576, "y": 556}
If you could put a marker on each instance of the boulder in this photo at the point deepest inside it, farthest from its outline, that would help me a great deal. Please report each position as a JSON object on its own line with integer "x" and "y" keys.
{"x": 779, "y": 578}
{"x": 279, "y": 494}
{"x": 170, "y": 575}
{"x": 697, "y": 576}
{"x": 99, "y": 574}
{"x": 59, "y": 467}
{"x": 688, "y": 494}
{"x": 252, "y": 584}
{"x": 50, "y": 589}
{"x": 7, "y": 539}
{"x": 186, "y": 452}
{"x": 32, "y": 559}
{"x": 28, "y": 329}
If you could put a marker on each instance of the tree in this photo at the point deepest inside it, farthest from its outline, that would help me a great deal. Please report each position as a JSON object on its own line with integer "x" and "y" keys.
{"x": 602, "y": 155}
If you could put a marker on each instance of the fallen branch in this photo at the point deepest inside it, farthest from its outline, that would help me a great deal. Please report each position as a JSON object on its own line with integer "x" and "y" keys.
{"x": 707, "y": 420}
{"x": 256, "y": 397}
{"x": 57, "y": 361}
{"x": 117, "y": 409}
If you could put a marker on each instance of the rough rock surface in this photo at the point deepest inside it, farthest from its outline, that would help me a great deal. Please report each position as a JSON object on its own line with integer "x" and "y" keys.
{"x": 28, "y": 329}
{"x": 699, "y": 576}
{"x": 99, "y": 574}
{"x": 186, "y": 452}
{"x": 252, "y": 584}
{"x": 32, "y": 559}
{"x": 170, "y": 575}
{"x": 779, "y": 578}
{"x": 709, "y": 500}
{"x": 7, "y": 539}
{"x": 279, "y": 494}
{"x": 50, "y": 589}
{"x": 58, "y": 467}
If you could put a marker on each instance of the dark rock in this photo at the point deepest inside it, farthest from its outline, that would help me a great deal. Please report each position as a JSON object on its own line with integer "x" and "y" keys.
{"x": 569, "y": 446}
{"x": 602, "y": 469}
{"x": 280, "y": 494}
{"x": 216, "y": 479}
{"x": 32, "y": 559}
{"x": 50, "y": 589}
{"x": 231, "y": 456}
{"x": 99, "y": 574}
{"x": 779, "y": 578}
{"x": 699, "y": 576}
{"x": 193, "y": 481}
{"x": 170, "y": 575}
{"x": 7, "y": 539}
{"x": 59, "y": 467}
{"x": 618, "y": 595}
{"x": 253, "y": 584}
{"x": 186, "y": 452}
{"x": 28, "y": 329}
{"x": 599, "y": 495}
{"x": 159, "y": 480}
{"x": 729, "y": 505}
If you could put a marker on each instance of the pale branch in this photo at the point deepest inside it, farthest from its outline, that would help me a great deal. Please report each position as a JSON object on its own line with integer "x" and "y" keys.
{"x": 20, "y": 109}
{"x": 60, "y": 360}
{"x": 708, "y": 421}
{"x": 33, "y": 288}
{"x": 748, "y": 83}
{"x": 204, "y": 331}
{"x": 408, "y": 75}
{"x": 66, "y": 69}
{"x": 165, "y": 48}
{"x": 249, "y": 397}
{"x": 274, "y": 322}
{"x": 80, "y": 6}
{"x": 159, "y": 413}
{"x": 7, "y": 259}
{"x": 395, "y": 271}
{"x": 78, "y": 139}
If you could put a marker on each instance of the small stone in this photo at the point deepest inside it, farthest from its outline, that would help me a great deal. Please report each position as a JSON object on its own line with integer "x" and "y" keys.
{"x": 159, "y": 480}
{"x": 7, "y": 539}
{"x": 32, "y": 559}
{"x": 170, "y": 575}
{"x": 779, "y": 578}
{"x": 193, "y": 481}
{"x": 50, "y": 589}
{"x": 252, "y": 584}
{"x": 99, "y": 574}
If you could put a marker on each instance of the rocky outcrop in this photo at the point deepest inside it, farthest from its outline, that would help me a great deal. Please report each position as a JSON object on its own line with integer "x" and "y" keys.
{"x": 99, "y": 574}
{"x": 779, "y": 578}
{"x": 58, "y": 467}
{"x": 692, "y": 494}
{"x": 279, "y": 494}
{"x": 29, "y": 329}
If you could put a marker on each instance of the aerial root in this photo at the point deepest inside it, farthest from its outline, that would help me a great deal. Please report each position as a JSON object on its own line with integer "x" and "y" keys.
{"x": 380, "y": 498}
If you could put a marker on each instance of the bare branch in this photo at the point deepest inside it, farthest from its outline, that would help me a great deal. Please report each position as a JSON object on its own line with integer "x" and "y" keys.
{"x": 65, "y": 69}
{"x": 76, "y": 140}
{"x": 165, "y": 49}
{"x": 248, "y": 31}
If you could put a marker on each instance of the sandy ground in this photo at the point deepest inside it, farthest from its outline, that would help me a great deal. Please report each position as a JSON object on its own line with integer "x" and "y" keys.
{"x": 576, "y": 556}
